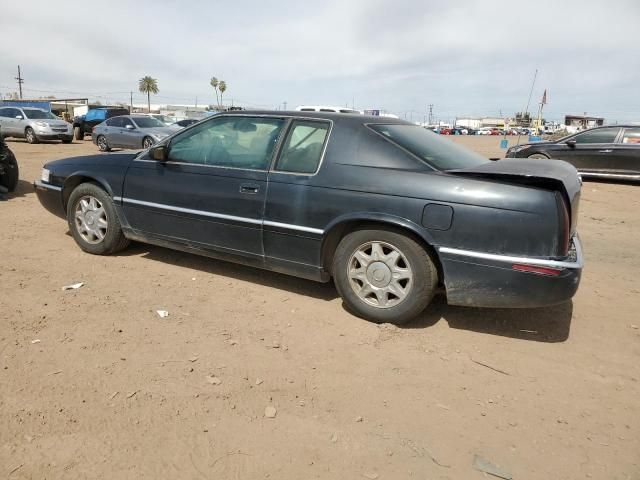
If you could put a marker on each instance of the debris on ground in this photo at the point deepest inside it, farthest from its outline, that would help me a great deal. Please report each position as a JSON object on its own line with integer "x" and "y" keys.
{"x": 270, "y": 412}
{"x": 162, "y": 313}
{"x": 489, "y": 367}
{"x": 213, "y": 380}
{"x": 37, "y": 340}
{"x": 370, "y": 476}
{"x": 259, "y": 381}
{"x": 484, "y": 465}
{"x": 73, "y": 286}
{"x": 132, "y": 393}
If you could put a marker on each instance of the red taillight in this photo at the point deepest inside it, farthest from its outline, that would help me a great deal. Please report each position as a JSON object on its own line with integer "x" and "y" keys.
{"x": 539, "y": 270}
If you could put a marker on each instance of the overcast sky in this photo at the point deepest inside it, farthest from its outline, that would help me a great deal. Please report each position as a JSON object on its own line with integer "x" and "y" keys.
{"x": 464, "y": 57}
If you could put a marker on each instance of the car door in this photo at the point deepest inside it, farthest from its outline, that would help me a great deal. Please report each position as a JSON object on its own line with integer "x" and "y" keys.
{"x": 210, "y": 191}
{"x": 592, "y": 149}
{"x": 626, "y": 152}
{"x": 109, "y": 128}
{"x": 130, "y": 135}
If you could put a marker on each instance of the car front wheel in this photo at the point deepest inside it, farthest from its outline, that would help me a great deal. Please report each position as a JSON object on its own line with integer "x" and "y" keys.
{"x": 93, "y": 221}
{"x": 30, "y": 135}
{"x": 384, "y": 276}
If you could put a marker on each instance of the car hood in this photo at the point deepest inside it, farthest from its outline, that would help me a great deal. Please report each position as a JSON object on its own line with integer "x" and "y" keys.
{"x": 162, "y": 131}
{"x": 55, "y": 123}
{"x": 114, "y": 159}
{"x": 551, "y": 174}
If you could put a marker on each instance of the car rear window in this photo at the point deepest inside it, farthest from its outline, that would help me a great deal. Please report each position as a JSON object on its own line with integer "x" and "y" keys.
{"x": 440, "y": 153}
{"x": 631, "y": 135}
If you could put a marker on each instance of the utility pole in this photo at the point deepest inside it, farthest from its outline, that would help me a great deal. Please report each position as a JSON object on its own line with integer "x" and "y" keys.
{"x": 131, "y": 102}
{"x": 20, "y": 82}
{"x": 285, "y": 105}
{"x": 430, "y": 113}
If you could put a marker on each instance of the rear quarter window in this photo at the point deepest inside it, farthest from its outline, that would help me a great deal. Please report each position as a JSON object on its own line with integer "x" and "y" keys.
{"x": 440, "y": 153}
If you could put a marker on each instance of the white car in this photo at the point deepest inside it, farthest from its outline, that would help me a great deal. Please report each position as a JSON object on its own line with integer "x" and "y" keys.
{"x": 34, "y": 124}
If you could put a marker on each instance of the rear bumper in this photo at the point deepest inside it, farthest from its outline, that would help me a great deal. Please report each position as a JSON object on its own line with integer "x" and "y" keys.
{"x": 488, "y": 280}
{"x": 50, "y": 197}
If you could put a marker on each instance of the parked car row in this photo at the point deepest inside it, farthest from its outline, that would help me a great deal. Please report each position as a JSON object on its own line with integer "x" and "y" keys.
{"x": 484, "y": 131}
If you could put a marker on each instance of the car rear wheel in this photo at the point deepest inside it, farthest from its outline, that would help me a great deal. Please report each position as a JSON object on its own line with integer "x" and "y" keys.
{"x": 30, "y": 135}
{"x": 147, "y": 142}
{"x": 78, "y": 133}
{"x": 103, "y": 145}
{"x": 93, "y": 221}
{"x": 538, "y": 155}
{"x": 384, "y": 276}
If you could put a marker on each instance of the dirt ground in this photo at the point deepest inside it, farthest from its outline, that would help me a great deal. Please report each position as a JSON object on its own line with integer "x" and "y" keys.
{"x": 93, "y": 384}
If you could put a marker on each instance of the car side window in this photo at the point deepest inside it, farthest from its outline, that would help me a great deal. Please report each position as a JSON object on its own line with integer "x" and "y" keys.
{"x": 601, "y": 135}
{"x": 303, "y": 147}
{"x": 4, "y": 112}
{"x": 631, "y": 136}
{"x": 124, "y": 122}
{"x": 234, "y": 141}
{"x": 116, "y": 122}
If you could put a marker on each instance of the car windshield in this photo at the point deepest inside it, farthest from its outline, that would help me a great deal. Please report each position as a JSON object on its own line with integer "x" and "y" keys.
{"x": 440, "y": 153}
{"x": 147, "y": 122}
{"x": 164, "y": 119}
{"x": 36, "y": 114}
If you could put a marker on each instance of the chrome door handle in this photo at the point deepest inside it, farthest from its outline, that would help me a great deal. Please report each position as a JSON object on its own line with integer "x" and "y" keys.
{"x": 605, "y": 151}
{"x": 250, "y": 188}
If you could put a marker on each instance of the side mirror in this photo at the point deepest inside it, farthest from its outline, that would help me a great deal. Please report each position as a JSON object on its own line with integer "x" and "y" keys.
{"x": 128, "y": 126}
{"x": 571, "y": 143}
{"x": 19, "y": 117}
{"x": 160, "y": 153}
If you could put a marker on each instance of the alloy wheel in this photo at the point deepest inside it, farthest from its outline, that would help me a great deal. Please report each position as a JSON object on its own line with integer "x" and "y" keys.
{"x": 380, "y": 274}
{"x": 91, "y": 219}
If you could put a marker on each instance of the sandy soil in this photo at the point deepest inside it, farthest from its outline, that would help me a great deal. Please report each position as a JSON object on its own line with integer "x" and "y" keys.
{"x": 93, "y": 384}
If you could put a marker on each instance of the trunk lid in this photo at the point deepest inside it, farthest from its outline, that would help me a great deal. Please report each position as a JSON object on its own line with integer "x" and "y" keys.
{"x": 551, "y": 174}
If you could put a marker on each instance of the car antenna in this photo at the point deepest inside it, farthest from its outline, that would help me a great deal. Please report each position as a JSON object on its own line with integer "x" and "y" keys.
{"x": 526, "y": 110}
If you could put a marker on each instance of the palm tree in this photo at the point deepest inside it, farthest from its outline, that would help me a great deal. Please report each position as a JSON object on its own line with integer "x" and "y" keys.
{"x": 148, "y": 85}
{"x": 215, "y": 83}
{"x": 222, "y": 86}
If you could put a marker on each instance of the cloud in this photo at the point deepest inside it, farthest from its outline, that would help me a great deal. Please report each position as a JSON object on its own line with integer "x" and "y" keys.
{"x": 464, "y": 57}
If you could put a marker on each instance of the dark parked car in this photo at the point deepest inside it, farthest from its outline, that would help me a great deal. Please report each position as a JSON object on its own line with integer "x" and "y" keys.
{"x": 603, "y": 152}
{"x": 9, "y": 172}
{"x": 387, "y": 208}
{"x": 83, "y": 125}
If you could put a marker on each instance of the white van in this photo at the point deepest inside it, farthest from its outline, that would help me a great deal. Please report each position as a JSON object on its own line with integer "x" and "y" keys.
{"x": 324, "y": 108}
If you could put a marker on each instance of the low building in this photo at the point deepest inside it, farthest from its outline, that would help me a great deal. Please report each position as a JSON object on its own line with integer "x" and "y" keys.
{"x": 583, "y": 121}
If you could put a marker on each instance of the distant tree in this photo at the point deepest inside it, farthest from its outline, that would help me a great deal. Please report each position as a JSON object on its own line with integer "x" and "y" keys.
{"x": 222, "y": 86}
{"x": 148, "y": 85}
{"x": 215, "y": 83}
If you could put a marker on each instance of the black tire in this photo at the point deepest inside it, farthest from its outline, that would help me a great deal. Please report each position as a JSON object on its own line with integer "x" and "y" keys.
{"x": 78, "y": 134}
{"x": 114, "y": 240}
{"x": 147, "y": 142}
{"x": 102, "y": 143}
{"x": 538, "y": 155}
{"x": 9, "y": 179}
{"x": 30, "y": 135}
{"x": 422, "y": 284}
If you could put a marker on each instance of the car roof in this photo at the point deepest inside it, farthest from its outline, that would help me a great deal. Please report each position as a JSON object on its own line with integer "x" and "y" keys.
{"x": 354, "y": 118}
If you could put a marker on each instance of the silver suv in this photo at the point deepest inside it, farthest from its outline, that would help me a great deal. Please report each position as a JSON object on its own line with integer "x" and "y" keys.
{"x": 34, "y": 124}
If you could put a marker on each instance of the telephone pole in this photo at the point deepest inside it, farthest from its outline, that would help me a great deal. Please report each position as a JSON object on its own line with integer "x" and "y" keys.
{"x": 131, "y": 102}
{"x": 285, "y": 105}
{"x": 430, "y": 113}
{"x": 20, "y": 82}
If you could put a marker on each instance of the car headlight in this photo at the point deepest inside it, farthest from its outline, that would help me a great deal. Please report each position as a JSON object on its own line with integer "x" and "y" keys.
{"x": 42, "y": 124}
{"x": 45, "y": 175}
{"x": 518, "y": 148}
